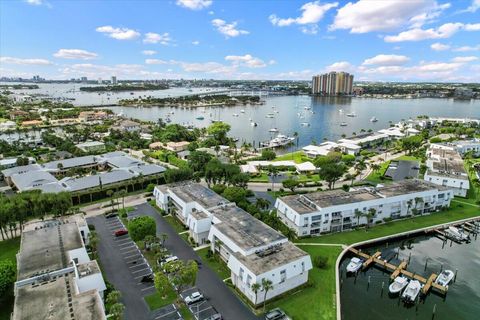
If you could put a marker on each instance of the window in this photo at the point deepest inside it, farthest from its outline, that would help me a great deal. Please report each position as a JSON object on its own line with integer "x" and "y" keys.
{"x": 249, "y": 280}
{"x": 303, "y": 267}
{"x": 441, "y": 196}
{"x": 241, "y": 274}
{"x": 316, "y": 218}
{"x": 283, "y": 276}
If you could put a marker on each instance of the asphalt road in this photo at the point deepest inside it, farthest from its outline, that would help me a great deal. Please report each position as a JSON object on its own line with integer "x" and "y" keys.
{"x": 217, "y": 293}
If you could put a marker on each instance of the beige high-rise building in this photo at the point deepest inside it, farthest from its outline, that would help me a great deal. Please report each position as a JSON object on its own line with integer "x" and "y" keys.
{"x": 332, "y": 83}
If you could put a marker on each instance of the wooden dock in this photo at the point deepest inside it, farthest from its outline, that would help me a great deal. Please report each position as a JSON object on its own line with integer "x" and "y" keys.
{"x": 400, "y": 269}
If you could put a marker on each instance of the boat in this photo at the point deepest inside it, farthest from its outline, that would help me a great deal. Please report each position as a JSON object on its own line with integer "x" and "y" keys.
{"x": 235, "y": 114}
{"x": 354, "y": 265}
{"x": 279, "y": 141}
{"x": 340, "y": 111}
{"x": 269, "y": 115}
{"x": 242, "y": 111}
{"x": 307, "y": 108}
{"x": 213, "y": 121}
{"x": 305, "y": 124}
{"x": 200, "y": 118}
{"x": 445, "y": 277}
{"x": 273, "y": 130}
{"x": 457, "y": 233}
{"x": 398, "y": 284}
{"x": 343, "y": 124}
{"x": 373, "y": 119}
{"x": 253, "y": 124}
{"x": 351, "y": 114}
{"x": 411, "y": 292}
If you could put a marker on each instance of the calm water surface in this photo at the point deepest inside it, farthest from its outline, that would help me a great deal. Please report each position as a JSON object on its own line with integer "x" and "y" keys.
{"x": 361, "y": 301}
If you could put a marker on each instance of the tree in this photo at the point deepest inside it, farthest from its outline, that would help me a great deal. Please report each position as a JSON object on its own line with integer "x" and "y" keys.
{"x": 93, "y": 241}
{"x": 290, "y": 184}
{"x": 268, "y": 154}
{"x": 219, "y": 131}
{"x": 262, "y": 204}
{"x": 266, "y": 286}
{"x": 197, "y": 161}
{"x": 358, "y": 215}
{"x": 375, "y": 167}
{"x": 255, "y": 287}
{"x": 163, "y": 237}
{"x": 162, "y": 284}
{"x": 174, "y": 175}
{"x": 235, "y": 194}
{"x": 116, "y": 311}
{"x": 331, "y": 172}
{"x": 141, "y": 227}
{"x": 7, "y": 275}
{"x": 371, "y": 213}
{"x": 113, "y": 297}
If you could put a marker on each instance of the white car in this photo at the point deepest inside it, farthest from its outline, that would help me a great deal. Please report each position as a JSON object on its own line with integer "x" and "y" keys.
{"x": 194, "y": 298}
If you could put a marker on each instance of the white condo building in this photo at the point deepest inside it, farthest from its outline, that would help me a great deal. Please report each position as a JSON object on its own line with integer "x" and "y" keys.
{"x": 334, "y": 211}
{"x": 252, "y": 250}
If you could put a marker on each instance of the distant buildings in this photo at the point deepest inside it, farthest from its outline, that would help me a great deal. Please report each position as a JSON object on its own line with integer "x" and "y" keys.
{"x": 333, "y": 83}
{"x": 91, "y": 146}
{"x": 114, "y": 80}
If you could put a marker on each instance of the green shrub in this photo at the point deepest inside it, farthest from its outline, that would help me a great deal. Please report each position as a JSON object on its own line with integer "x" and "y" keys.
{"x": 320, "y": 262}
{"x": 141, "y": 227}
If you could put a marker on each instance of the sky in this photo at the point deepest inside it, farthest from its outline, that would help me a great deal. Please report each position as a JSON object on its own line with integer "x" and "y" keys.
{"x": 376, "y": 40}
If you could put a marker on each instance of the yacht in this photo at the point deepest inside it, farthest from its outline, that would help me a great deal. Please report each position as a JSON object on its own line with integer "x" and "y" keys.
{"x": 307, "y": 108}
{"x": 253, "y": 124}
{"x": 354, "y": 265}
{"x": 398, "y": 284}
{"x": 343, "y": 124}
{"x": 373, "y": 119}
{"x": 273, "y": 130}
{"x": 445, "y": 277}
{"x": 412, "y": 291}
{"x": 351, "y": 114}
{"x": 200, "y": 118}
{"x": 235, "y": 114}
{"x": 305, "y": 124}
{"x": 457, "y": 233}
{"x": 270, "y": 115}
{"x": 279, "y": 141}
{"x": 242, "y": 111}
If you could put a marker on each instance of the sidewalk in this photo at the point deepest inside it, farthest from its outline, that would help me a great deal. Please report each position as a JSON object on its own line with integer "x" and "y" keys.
{"x": 102, "y": 207}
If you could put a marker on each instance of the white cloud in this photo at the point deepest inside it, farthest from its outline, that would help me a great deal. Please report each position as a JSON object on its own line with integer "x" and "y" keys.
{"x": 386, "y": 60}
{"x": 444, "y": 31}
{"x": 155, "y": 61}
{"x": 34, "y": 2}
{"x": 473, "y": 7}
{"x": 312, "y": 13}
{"x": 228, "y": 29}
{"x": 246, "y": 60}
{"x": 21, "y": 61}
{"x": 464, "y": 59}
{"x": 149, "y": 52}
{"x": 467, "y": 48}
{"x": 472, "y": 27}
{"x": 128, "y": 71}
{"x": 77, "y": 54}
{"x": 118, "y": 33}
{"x": 340, "y": 66}
{"x": 367, "y": 16}
{"x": 437, "y": 46}
{"x": 151, "y": 37}
{"x": 196, "y": 42}
{"x": 194, "y": 4}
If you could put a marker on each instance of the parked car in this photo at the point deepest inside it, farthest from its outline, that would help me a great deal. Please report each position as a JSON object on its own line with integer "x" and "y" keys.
{"x": 111, "y": 215}
{"x": 121, "y": 232}
{"x": 199, "y": 263}
{"x": 216, "y": 316}
{"x": 275, "y": 314}
{"x": 147, "y": 278}
{"x": 194, "y": 298}
{"x": 169, "y": 259}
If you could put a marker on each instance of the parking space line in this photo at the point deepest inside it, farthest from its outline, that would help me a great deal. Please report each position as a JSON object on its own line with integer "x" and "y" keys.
{"x": 130, "y": 251}
{"x": 120, "y": 238}
{"x": 148, "y": 288}
{"x": 125, "y": 243}
{"x": 143, "y": 275}
{"x": 131, "y": 256}
{"x": 137, "y": 271}
{"x": 137, "y": 265}
{"x": 131, "y": 246}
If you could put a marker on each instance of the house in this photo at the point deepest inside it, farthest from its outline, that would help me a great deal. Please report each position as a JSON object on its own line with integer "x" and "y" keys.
{"x": 14, "y": 114}
{"x": 32, "y": 123}
{"x": 7, "y": 125}
{"x": 252, "y": 250}
{"x": 254, "y": 167}
{"x": 87, "y": 116}
{"x": 55, "y": 277}
{"x": 128, "y": 126}
{"x": 335, "y": 210}
{"x": 91, "y": 146}
{"x": 12, "y": 162}
{"x": 170, "y": 146}
{"x": 63, "y": 121}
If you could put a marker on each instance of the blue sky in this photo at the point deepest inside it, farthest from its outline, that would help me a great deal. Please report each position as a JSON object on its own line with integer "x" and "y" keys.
{"x": 395, "y": 40}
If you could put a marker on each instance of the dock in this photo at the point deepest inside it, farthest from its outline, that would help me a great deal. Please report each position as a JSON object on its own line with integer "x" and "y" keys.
{"x": 400, "y": 269}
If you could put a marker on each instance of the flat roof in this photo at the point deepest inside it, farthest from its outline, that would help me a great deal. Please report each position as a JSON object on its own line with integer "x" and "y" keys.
{"x": 123, "y": 161}
{"x": 50, "y": 300}
{"x": 32, "y": 179}
{"x": 199, "y": 215}
{"x": 20, "y": 169}
{"x": 106, "y": 178}
{"x": 243, "y": 228}
{"x": 446, "y": 175}
{"x": 90, "y": 144}
{"x": 339, "y": 197}
{"x": 408, "y": 186}
{"x": 71, "y": 162}
{"x": 281, "y": 255}
{"x": 299, "y": 204}
{"x": 195, "y": 192}
{"x": 147, "y": 169}
{"x": 40, "y": 250}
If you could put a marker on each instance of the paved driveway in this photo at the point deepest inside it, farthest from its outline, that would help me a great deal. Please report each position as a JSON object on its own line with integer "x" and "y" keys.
{"x": 217, "y": 293}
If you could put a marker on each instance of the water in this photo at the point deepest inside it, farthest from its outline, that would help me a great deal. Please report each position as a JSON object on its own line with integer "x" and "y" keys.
{"x": 462, "y": 302}
{"x": 323, "y": 123}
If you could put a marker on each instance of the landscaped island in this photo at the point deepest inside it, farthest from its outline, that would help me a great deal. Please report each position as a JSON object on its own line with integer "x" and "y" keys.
{"x": 193, "y": 101}
{"x": 126, "y": 87}
{"x": 19, "y": 86}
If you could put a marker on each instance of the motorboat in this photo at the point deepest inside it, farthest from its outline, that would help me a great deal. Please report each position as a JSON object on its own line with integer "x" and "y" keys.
{"x": 458, "y": 233}
{"x": 373, "y": 119}
{"x": 242, "y": 111}
{"x": 235, "y": 114}
{"x": 253, "y": 124}
{"x": 269, "y": 115}
{"x": 307, "y": 108}
{"x": 273, "y": 130}
{"x": 411, "y": 291}
{"x": 279, "y": 141}
{"x": 354, "y": 265}
{"x": 445, "y": 277}
{"x": 305, "y": 124}
{"x": 351, "y": 114}
{"x": 200, "y": 118}
{"x": 398, "y": 285}
{"x": 340, "y": 111}
{"x": 343, "y": 124}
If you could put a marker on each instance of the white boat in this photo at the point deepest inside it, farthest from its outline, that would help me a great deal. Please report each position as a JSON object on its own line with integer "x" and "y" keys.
{"x": 351, "y": 114}
{"x": 270, "y": 115}
{"x": 354, "y": 265}
{"x": 235, "y": 114}
{"x": 457, "y": 233}
{"x": 445, "y": 277}
{"x": 305, "y": 124}
{"x": 412, "y": 291}
{"x": 273, "y": 130}
{"x": 279, "y": 141}
{"x": 307, "y": 108}
{"x": 373, "y": 119}
{"x": 340, "y": 111}
{"x": 253, "y": 124}
{"x": 242, "y": 111}
{"x": 343, "y": 124}
{"x": 398, "y": 284}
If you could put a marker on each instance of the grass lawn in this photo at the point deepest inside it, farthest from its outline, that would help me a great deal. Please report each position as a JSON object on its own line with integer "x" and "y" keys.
{"x": 318, "y": 300}
{"x": 375, "y": 176}
{"x": 175, "y": 224}
{"x": 408, "y": 158}
{"x": 263, "y": 177}
{"x": 297, "y": 157}
{"x": 218, "y": 266}
{"x": 156, "y": 301}
{"x": 186, "y": 314}
{"x": 8, "y": 250}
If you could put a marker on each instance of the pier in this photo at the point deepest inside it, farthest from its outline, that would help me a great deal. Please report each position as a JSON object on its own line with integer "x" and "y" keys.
{"x": 400, "y": 269}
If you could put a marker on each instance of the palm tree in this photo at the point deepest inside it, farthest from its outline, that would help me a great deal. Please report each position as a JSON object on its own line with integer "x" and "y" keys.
{"x": 370, "y": 215}
{"x": 266, "y": 286}
{"x": 164, "y": 238}
{"x": 255, "y": 287}
{"x": 358, "y": 215}
{"x": 375, "y": 167}
{"x": 296, "y": 136}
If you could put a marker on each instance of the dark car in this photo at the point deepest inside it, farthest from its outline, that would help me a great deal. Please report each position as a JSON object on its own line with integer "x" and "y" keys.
{"x": 275, "y": 314}
{"x": 121, "y": 232}
{"x": 111, "y": 215}
{"x": 147, "y": 278}
{"x": 199, "y": 263}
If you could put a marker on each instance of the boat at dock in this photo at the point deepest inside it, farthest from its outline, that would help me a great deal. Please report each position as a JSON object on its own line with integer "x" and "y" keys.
{"x": 351, "y": 114}
{"x": 235, "y": 114}
{"x": 200, "y": 118}
{"x": 305, "y": 124}
{"x": 445, "y": 277}
{"x": 457, "y": 233}
{"x": 354, "y": 265}
{"x": 412, "y": 291}
{"x": 242, "y": 111}
{"x": 279, "y": 141}
{"x": 273, "y": 130}
{"x": 398, "y": 285}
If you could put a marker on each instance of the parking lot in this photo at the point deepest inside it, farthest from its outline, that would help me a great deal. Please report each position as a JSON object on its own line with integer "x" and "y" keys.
{"x": 201, "y": 310}
{"x": 124, "y": 266}
{"x": 169, "y": 312}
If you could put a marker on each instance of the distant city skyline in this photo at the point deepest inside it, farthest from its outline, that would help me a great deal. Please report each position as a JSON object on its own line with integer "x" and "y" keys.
{"x": 396, "y": 40}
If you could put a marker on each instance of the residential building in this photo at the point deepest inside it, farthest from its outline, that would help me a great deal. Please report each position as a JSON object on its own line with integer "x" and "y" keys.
{"x": 114, "y": 80}
{"x": 337, "y": 210}
{"x": 252, "y": 250}
{"x": 32, "y": 123}
{"x": 128, "y": 125}
{"x": 12, "y": 162}
{"x": 461, "y": 146}
{"x": 170, "y": 146}
{"x": 256, "y": 166}
{"x": 366, "y": 140}
{"x": 91, "y": 146}
{"x": 55, "y": 277}
{"x": 445, "y": 168}
{"x": 87, "y": 116}
{"x": 7, "y": 125}
{"x": 333, "y": 83}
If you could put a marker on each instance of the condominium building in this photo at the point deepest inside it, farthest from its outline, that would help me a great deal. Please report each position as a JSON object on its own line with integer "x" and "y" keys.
{"x": 333, "y": 83}
{"x": 338, "y": 210}
{"x": 55, "y": 277}
{"x": 445, "y": 168}
{"x": 252, "y": 250}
